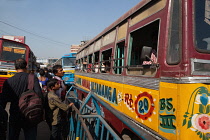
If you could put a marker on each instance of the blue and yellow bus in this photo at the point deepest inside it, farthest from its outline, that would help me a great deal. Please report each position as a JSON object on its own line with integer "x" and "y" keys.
{"x": 68, "y": 64}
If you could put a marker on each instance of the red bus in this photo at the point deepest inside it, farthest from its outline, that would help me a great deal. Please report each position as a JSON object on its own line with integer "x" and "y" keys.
{"x": 10, "y": 51}
{"x": 152, "y": 66}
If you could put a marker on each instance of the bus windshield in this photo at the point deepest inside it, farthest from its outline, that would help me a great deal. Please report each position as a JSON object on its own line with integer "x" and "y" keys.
{"x": 202, "y": 25}
{"x": 12, "y": 51}
{"x": 68, "y": 61}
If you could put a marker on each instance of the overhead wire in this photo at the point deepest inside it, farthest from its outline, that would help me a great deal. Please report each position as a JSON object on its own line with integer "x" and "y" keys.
{"x": 34, "y": 33}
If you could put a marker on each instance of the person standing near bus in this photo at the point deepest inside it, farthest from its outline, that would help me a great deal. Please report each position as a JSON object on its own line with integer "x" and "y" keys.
{"x": 47, "y": 74}
{"x": 43, "y": 81}
{"x": 12, "y": 89}
{"x": 50, "y": 72}
{"x": 61, "y": 93}
{"x": 57, "y": 108}
{"x": 59, "y": 73}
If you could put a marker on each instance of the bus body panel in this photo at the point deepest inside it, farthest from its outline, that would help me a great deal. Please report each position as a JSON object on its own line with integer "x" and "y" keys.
{"x": 181, "y": 111}
{"x": 140, "y": 104}
{"x": 168, "y": 107}
{"x": 194, "y": 112}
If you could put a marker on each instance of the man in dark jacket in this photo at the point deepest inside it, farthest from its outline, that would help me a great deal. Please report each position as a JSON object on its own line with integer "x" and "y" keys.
{"x": 12, "y": 89}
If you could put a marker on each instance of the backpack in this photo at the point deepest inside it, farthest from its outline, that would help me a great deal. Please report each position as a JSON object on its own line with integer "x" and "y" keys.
{"x": 30, "y": 104}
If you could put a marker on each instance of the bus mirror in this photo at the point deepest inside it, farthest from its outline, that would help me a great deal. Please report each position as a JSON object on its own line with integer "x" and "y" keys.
{"x": 146, "y": 53}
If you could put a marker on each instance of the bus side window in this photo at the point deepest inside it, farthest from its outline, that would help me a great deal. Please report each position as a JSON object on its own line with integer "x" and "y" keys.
{"x": 106, "y": 61}
{"x": 119, "y": 58}
{"x": 145, "y": 36}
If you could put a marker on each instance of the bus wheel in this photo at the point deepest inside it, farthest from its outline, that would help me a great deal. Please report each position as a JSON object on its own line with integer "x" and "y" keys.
{"x": 128, "y": 135}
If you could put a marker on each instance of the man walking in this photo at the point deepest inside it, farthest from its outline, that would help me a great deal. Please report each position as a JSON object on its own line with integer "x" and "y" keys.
{"x": 12, "y": 89}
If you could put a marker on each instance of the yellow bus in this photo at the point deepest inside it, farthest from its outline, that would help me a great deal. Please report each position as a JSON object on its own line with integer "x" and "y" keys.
{"x": 152, "y": 66}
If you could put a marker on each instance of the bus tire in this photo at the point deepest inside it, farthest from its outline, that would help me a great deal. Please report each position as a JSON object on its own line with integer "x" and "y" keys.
{"x": 128, "y": 135}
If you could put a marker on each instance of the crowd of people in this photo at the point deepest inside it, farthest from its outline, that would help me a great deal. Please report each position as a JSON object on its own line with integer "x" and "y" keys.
{"x": 51, "y": 89}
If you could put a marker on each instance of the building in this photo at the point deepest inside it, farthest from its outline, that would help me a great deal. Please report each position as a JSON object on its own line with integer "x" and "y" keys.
{"x": 74, "y": 48}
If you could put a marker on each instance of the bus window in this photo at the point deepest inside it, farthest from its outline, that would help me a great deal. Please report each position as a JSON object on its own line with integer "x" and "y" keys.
{"x": 174, "y": 49}
{"x": 202, "y": 25}
{"x": 12, "y": 51}
{"x": 106, "y": 61}
{"x": 119, "y": 58}
{"x": 68, "y": 61}
{"x": 145, "y": 36}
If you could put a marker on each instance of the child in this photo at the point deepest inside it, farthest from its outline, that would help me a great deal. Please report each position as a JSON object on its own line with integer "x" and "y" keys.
{"x": 57, "y": 107}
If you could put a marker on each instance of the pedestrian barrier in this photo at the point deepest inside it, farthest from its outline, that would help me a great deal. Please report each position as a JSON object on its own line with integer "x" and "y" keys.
{"x": 86, "y": 122}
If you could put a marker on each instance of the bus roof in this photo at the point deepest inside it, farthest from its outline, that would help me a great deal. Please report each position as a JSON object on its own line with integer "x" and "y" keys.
{"x": 118, "y": 21}
{"x": 70, "y": 55}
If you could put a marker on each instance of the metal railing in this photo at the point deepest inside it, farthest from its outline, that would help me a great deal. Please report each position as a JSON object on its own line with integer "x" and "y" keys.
{"x": 94, "y": 122}
{"x": 86, "y": 123}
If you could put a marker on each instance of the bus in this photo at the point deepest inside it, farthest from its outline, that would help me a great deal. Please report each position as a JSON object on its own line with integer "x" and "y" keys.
{"x": 152, "y": 65}
{"x": 68, "y": 64}
{"x": 9, "y": 52}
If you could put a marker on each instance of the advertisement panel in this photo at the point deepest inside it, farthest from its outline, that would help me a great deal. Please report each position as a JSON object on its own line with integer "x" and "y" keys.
{"x": 15, "y": 38}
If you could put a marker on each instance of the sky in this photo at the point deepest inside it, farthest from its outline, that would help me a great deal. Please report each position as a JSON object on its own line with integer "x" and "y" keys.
{"x": 52, "y": 26}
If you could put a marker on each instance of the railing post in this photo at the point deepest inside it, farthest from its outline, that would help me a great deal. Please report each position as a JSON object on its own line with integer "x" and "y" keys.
{"x": 97, "y": 127}
{"x": 98, "y": 110}
{"x": 85, "y": 102}
{"x": 78, "y": 128}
